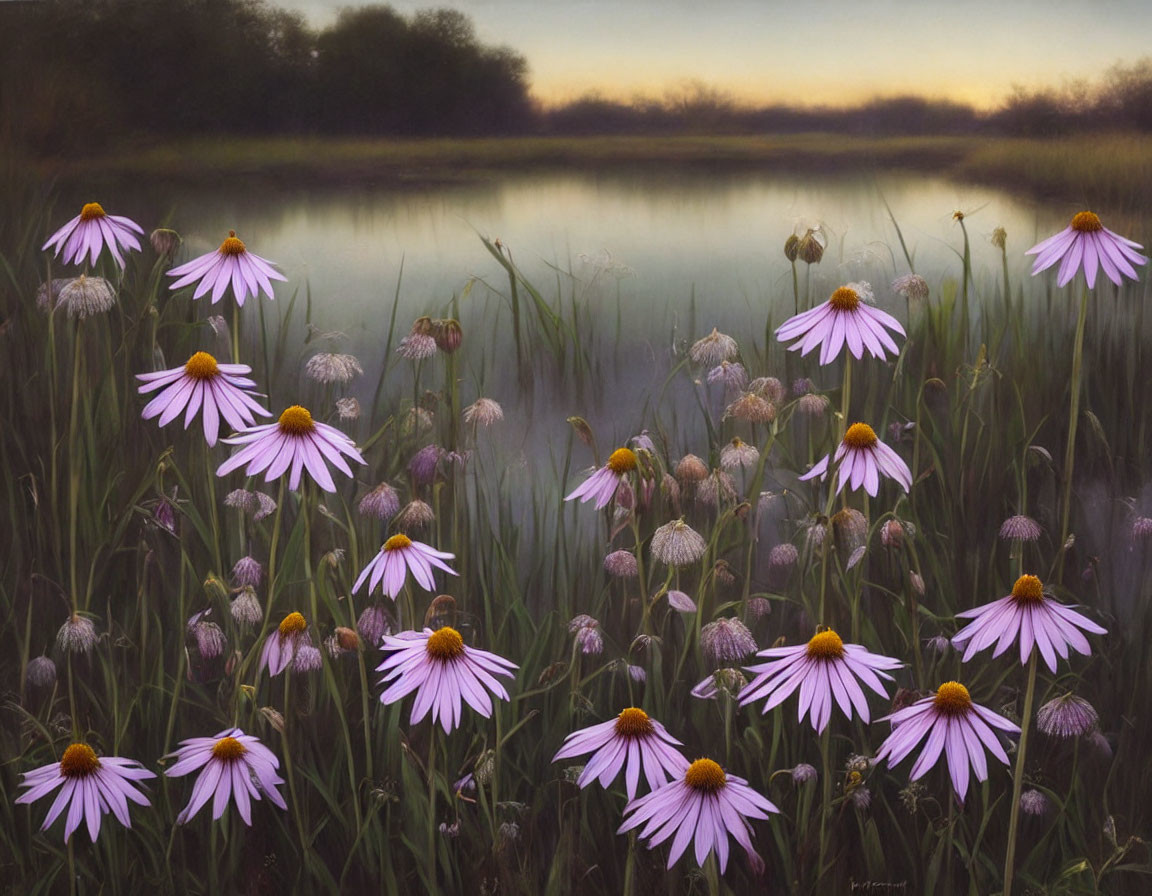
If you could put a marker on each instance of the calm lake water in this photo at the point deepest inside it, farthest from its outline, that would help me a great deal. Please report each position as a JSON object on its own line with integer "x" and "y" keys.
{"x": 673, "y": 253}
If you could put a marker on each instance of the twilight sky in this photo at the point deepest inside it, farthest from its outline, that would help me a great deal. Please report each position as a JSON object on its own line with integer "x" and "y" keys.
{"x": 802, "y": 51}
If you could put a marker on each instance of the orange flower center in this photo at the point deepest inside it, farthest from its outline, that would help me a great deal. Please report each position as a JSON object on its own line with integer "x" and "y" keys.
{"x": 296, "y": 421}
{"x": 1086, "y": 222}
{"x": 705, "y": 775}
{"x": 228, "y": 749}
{"x": 1028, "y": 590}
{"x": 845, "y": 299}
{"x": 445, "y": 644}
{"x": 201, "y": 366}
{"x": 952, "y": 698}
{"x": 398, "y": 543}
{"x": 623, "y": 460}
{"x": 826, "y": 646}
{"x": 232, "y": 246}
{"x": 860, "y": 435}
{"x": 293, "y": 623}
{"x": 634, "y": 722}
{"x": 91, "y": 210}
{"x": 78, "y": 761}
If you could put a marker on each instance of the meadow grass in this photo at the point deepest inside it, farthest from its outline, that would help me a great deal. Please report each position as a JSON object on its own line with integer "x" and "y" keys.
{"x": 981, "y": 416}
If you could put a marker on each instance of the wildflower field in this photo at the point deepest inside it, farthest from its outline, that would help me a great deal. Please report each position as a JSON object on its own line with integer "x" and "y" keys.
{"x": 524, "y": 608}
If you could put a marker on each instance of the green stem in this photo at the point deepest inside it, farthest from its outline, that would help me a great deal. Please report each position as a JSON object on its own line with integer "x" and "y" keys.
{"x": 1073, "y": 421}
{"x": 1018, "y": 776}
{"x": 826, "y": 808}
{"x": 74, "y": 463}
{"x": 431, "y": 882}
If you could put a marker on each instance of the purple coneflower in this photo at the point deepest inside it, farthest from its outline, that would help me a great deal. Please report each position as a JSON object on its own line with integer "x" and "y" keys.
{"x": 631, "y": 737}
{"x": 443, "y": 672}
{"x": 824, "y": 669}
{"x": 738, "y": 453}
{"x": 93, "y": 786}
{"x": 1067, "y": 716}
{"x": 281, "y": 645}
{"x": 1086, "y": 241}
{"x": 861, "y": 458}
{"x": 398, "y": 555}
{"x": 231, "y": 264}
{"x": 954, "y": 726}
{"x": 235, "y": 765}
{"x": 705, "y": 806}
{"x": 601, "y": 485}
{"x": 1027, "y": 613}
{"x": 296, "y": 441}
{"x": 202, "y": 383}
{"x": 90, "y": 231}
{"x": 845, "y": 318}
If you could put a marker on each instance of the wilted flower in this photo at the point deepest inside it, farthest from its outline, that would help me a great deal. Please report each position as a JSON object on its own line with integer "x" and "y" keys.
{"x": 209, "y": 638}
{"x": 752, "y": 407}
{"x": 247, "y": 573}
{"x": 417, "y": 347}
{"x": 1020, "y": 528}
{"x": 164, "y": 242}
{"x": 791, "y": 247}
{"x": 86, "y": 296}
{"x": 422, "y": 466}
{"x": 677, "y": 544}
{"x": 1067, "y": 716}
{"x": 1086, "y": 241}
{"x": 621, "y": 564}
{"x": 93, "y": 786}
{"x": 810, "y": 248}
{"x": 382, "y": 502}
{"x": 845, "y": 318}
{"x": 999, "y": 237}
{"x": 449, "y": 335}
{"x": 1034, "y": 803}
{"x": 48, "y": 293}
{"x": 725, "y": 641}
{"x": 769, "y": 387}
{"x": 803, "y": 773}
{"x": 713, "y": 349}
{"x": 347, "y": 408}
{"x": 813, "y": 404}
{"x": 704, "y": 806}
{"x": 892, "y": 534}
{"x": 939, "y": 645}
{"x": 680, "y": 601}
{"x": 783, "y": 557}
{"x": 483, "y": 412}
{"x": 738, "y": 454}
{"x": 77, "y": 635}
{"x": 758, "y": 607}
{"x": 230, "y": 265}
{"x": 415, "y": 515}
{"x": 373, "y": 624}
{"x": 717, "y": 489}
{"x": 41, "y": 672}
{"x": 691, "y": 469}
{"x": 307, "y": 658}
{"x": 633, "y": 738}
{"x": 443, "y": 672}
{"x": 89, "y": 232}
{"x": 1142, "y": 528}
{"x": 245, "y": 608}
{"x": 729, "y": 374}
{"x": 727, "y": 681}
{"x": 911, "y": 286}
{"x": 327, "y": 368}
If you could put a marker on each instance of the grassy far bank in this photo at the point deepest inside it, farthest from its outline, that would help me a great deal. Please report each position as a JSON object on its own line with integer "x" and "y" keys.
{"x": 1107, "y": 170}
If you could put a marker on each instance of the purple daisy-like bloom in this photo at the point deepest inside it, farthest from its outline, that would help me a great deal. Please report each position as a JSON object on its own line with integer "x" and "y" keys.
{"x": 90, "y": 231}
{"x": 704, "y": 806}
{"x": 601, "y": 485}
{"x": 93, "y": 786}
{"x": 202, "y": 383}
{"x": 845, "y": 318}
{"x": 443, "y": 672}
{"x": 1085, "y": 241}
{"x": 231, "y": 264}
{"x": 296, "y": 441}
{"x": 861, "y": 458}
{"x": 397, "y": 555}
{"x": 235, "y": 765}
{"x": 954, "y": 726}
{"x": 281, "y": 645}
{"x": 1027, "y": 613}
{"x": 825, "y": 670}
{"x": 633, "y": 738}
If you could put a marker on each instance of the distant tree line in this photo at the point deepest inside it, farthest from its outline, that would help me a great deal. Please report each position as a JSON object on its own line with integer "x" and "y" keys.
{"x": 79, "y": 75}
